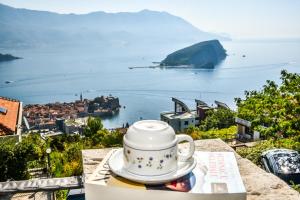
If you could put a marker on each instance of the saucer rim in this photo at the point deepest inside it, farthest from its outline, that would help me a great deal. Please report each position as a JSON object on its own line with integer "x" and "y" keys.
{"x": 122, "y": 172}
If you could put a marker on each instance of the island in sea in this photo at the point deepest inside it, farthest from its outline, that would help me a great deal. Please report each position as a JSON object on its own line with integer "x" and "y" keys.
{"x": 7, "y": 57}
{"x": 205, "y": 54}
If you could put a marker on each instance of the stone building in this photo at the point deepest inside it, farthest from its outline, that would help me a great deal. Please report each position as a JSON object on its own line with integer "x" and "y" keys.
{"x": 181, "y": 118}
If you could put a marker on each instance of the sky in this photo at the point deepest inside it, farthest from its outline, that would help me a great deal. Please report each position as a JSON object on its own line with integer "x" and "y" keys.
{"x": 241, "y": 19}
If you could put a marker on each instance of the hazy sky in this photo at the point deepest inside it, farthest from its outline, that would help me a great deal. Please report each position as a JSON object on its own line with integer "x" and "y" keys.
{"x": 239, "y": 18}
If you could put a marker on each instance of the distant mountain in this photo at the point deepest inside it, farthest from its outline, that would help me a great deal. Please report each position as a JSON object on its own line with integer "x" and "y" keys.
{"x": 204, "y": 55}
{"x": 21, "y": 27}
{"x": 7, "y": 57}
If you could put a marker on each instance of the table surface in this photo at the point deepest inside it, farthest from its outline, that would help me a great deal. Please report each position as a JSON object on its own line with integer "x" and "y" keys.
{"x": 259, "y": 184}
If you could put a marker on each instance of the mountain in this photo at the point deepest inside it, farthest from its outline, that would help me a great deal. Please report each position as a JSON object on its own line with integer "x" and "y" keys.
{"x": 23, "y": 27}
{"x": 7, "y": 57}
{"x": 205, "y": 54}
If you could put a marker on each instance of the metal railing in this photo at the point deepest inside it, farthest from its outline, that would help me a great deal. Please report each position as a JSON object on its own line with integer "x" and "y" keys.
{"x": 35, "y": 185}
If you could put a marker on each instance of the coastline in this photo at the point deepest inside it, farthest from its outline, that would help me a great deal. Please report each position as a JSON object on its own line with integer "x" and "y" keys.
{"x": 46, "y": 116}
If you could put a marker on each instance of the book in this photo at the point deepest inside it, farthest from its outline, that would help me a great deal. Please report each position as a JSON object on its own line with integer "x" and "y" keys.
{"x": 216, "y": 176}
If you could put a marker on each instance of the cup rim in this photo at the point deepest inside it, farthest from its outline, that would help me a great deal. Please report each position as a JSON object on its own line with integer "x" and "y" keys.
{"x": 149, "y": 147}
{"x": 164, "y": 125}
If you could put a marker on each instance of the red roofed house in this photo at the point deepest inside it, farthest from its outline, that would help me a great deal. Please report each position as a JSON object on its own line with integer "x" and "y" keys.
{"x": 10, "y": 116}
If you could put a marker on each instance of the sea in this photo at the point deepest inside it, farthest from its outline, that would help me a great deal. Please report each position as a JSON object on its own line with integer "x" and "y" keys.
{"x": 48, "y": 74}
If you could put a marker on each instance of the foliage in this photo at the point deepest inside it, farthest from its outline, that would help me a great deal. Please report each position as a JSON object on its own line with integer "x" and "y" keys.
{"x": 93, "y": 126}
{"x": 224, "y": 134}
{"x": 218, "y": 118}
{"x": 57, "y": 164}
{"x": 65, "y": 158}
{"x": 59, "y": 143}
{"x": 15, "y": 158}
{"x": 68, "y": 162}
{"x": 296, "y": 187}
{"x": 61, "y": 194}
{"x": 111, "y": 139}
{"x": 275, "y": 110}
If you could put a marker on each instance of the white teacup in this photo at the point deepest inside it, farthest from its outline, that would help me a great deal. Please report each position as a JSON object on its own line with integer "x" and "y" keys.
{"x": 151, "y": 148}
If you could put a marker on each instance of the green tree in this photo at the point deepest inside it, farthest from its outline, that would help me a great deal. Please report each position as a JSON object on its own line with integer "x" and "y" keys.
{"x": 6, "y": 155}
{"x": 15, "y": 158}
{"x": 68, "y": 162}
{"x": 275, "y": 110}
{"x": 94, "y": 124}
{"x": 112, "y": 138}
{"x": 59, "y": 142}
{"x": 218, "y": 119}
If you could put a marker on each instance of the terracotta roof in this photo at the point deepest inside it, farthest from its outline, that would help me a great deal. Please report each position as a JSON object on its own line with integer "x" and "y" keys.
{"x": 9, "y": 120}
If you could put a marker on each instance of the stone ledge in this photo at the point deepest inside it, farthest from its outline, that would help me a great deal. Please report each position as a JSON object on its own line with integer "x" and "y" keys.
{"x": 259, "y": 184}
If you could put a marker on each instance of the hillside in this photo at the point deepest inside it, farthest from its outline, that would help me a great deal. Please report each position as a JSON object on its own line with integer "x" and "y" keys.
{"x": 205, "y": 54}
{"x": 21, "y": 27}
{"x": 7, "y": 57}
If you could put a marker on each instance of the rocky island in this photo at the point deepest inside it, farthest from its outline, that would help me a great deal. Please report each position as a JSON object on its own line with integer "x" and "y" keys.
{"x": 7, "y": 57}
{"x": 205, "y": 54}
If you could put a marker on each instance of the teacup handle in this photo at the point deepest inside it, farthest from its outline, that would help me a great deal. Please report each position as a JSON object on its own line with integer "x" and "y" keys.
{"x": 185, "y": 157}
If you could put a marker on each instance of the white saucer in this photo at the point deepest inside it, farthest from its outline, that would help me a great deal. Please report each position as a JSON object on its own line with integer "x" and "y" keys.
{"x": 115, "y": 163}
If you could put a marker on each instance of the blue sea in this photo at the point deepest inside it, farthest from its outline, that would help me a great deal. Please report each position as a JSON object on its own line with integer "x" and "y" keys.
{"x": 48, "y": 74}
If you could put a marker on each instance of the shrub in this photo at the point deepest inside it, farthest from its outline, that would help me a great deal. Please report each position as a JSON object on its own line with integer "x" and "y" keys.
{"x": 224, "y": 134}
{"x": 218, "y": 119}
{"x": 15, "y": 158}
{"x": 274, "y": 111}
